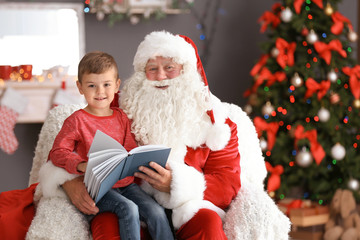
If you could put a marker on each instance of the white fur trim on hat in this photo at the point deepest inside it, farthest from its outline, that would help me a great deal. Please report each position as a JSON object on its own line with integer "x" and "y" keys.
{"x": 164, "y": 44}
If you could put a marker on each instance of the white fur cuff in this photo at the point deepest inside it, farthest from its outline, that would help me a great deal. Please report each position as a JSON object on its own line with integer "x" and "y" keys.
{"x": 51, "y": 178}
{"x": 185, "y": 212}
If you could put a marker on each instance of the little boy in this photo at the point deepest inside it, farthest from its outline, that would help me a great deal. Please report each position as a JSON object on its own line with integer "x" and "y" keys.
{"x": 98, "y": 81}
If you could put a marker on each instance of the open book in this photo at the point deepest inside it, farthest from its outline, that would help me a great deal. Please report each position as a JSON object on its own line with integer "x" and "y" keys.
{"x": 109, "y": 162}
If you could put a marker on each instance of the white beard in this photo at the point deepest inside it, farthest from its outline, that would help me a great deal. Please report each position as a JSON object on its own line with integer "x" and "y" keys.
{"x": 173, "y": 116}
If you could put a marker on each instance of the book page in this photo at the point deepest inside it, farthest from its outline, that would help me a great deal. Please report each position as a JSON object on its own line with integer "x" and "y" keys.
{"x": 98, "y": 172}
{"x": 109, "y": 181}
{"x": 103, "y": 141}
{"x": 98, "y": 157}
{"x": 147, "y": 148}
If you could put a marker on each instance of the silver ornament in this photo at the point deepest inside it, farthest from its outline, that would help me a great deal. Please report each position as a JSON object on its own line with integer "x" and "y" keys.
{"x": 263, "y": 144}
{"x": 352, "y": 36}
{"x": 353, "y": 184}
{"x": 134, "y": 19}
{"x": 324, "y": 114}
{"x": 286, "y": 15}
{"x": 303, "y": 158}
{"x": 274, "y": 52}
{"x": 100, "y": 16}
{"x": 248, "y": 109}
{"x": 332, "y": 76}
{"x": 311, "y": 37}
{"x": 338, "y": 152}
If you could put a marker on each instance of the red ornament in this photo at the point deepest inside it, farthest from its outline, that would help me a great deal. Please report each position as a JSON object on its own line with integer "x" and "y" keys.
{"x": 334, "y": 98}
{"x": 304, "y": 31}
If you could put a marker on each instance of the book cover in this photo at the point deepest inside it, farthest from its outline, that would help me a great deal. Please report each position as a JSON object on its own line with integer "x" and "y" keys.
{"x": 109, "y": 162}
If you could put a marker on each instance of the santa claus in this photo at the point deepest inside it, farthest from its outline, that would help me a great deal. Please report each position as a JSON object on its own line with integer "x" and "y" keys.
{"x": 169, "y": 103}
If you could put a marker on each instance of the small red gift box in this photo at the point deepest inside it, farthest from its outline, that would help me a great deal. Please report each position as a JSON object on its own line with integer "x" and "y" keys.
{"x": 25, "y": 72}
{"x": 5, "y": 71}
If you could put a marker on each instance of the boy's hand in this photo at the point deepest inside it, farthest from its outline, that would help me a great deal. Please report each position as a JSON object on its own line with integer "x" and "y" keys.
{"x": 81, "y": 167}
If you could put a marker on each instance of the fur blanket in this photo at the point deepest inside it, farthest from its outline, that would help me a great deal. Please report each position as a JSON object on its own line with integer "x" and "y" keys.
{"x": 251, "y": 215}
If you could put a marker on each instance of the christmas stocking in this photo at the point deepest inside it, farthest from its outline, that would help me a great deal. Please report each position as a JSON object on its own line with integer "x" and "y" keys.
{"x": 12, "y": 104}
{"x": 63, "y": 97}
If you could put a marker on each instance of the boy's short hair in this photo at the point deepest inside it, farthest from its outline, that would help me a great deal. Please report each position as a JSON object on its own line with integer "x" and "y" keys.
{"x": 96, "y": 62}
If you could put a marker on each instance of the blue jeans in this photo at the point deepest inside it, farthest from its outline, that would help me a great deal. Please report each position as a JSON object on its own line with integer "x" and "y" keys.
{"x": 131, "y": 204}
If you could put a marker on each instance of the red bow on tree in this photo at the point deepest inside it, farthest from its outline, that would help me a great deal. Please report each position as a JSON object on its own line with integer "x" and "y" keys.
{"x": 286, "y": 52}
{"x": 354, "y": 80}
{"x": 278, "y": 76}
{"x": 256, "y": 69}
{"x": 324, "y": 49}
{"x": 270, "y": 128}
{"x": 274, "y": 180}
{"x": 268, "y": 18}
{"x": 298, "y": 3}
{"x": 316, "y": 149}
{"x": 339, "y": 21}
{"x": 262, "y": 76}
{"x": 313, "y": 87}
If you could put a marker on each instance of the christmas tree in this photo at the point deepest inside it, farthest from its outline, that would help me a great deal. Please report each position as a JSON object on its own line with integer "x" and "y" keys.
{"x": 305, "y": 100}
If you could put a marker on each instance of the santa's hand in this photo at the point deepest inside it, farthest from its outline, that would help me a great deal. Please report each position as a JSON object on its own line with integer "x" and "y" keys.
{"x": 159, "y": 179}
{"x": 79, "y": 196}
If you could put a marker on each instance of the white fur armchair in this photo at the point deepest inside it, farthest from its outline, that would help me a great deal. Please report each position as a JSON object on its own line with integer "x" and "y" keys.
{"x": 251, "y": 215}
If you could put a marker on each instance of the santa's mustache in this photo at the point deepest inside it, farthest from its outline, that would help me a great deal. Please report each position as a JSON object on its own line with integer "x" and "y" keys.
{"x": 162, "y": 83}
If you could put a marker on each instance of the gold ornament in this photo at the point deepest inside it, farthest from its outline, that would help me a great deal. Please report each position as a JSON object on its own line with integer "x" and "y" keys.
{"x": 272, "y": 194}
{"x": 296, "y": 80}
{"x": 356, "y": 103}
{"x": 267, "y": 109}
{"x": 253, "y": 99}
{"x": 328, "y": 9}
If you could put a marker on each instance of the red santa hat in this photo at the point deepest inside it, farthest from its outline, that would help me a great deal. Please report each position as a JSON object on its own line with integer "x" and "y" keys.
{"x": 178, "y": 47}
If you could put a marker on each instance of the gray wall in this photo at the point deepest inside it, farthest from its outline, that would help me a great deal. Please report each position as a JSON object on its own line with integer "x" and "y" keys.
{"x": 233, "y": 51}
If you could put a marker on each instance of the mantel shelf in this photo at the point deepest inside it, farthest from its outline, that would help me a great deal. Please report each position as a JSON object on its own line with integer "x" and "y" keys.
{"x": 40, "y": 96}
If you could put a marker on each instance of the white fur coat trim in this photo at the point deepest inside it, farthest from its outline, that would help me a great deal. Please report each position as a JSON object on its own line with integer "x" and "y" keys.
{"x": 51, "y": 178}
